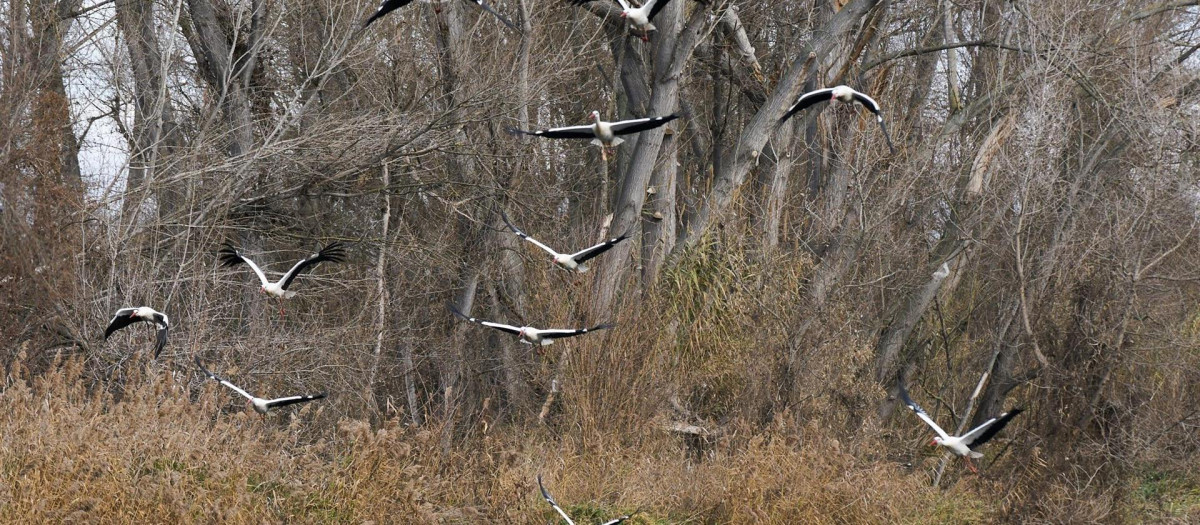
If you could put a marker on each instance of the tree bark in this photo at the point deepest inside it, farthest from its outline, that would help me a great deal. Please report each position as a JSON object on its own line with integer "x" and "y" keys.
{"x": 731, "y": 174}
{"x": 675, "y": 47}
{"x": 154, "y": 120}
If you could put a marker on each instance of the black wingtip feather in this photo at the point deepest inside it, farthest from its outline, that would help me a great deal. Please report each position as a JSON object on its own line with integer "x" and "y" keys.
{"x": 904, "y": 398}
{"x": 161, "y": 342}
{"x": 229, "y": 256}
{"x": 545, "y": 494}
{"x": 507, "y": 222}
{"x": 333, "y": 252}
{"x": 456, "y": 311}
{"x": 1001, "y": 422}
{"x": 206, "y": 371}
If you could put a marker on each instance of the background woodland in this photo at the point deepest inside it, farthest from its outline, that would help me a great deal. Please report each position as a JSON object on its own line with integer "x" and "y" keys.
{"x": 776, "y": 283}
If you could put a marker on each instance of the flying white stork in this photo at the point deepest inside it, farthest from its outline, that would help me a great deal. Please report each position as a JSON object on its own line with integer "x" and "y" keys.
{"x": 961, "y": 445}
{"x": 128, "y": 316}
{"x": 605, "y": 134}
{"x": 387, "y": 6}
{"x": 528, "y": 334}
{"x": 568, "y": 261}
{"x": 546, "y": 496}
{"x": 332, "y": 252}
{"x": 840, "y": 94}
{"x": 639, "y": 17}
{"x": 262, "y": 406}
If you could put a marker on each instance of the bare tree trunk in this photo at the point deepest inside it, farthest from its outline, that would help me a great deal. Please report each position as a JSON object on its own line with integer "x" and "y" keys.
{"x": 777, "y": 190}
{"x": 674, "y": 48}
{"x": 154, "y": 120}
{"x": 658, "y": 226}
{"x": 381, "y": 290}
{"x": 745, "y": 152}
{"x": 226, "y": 70}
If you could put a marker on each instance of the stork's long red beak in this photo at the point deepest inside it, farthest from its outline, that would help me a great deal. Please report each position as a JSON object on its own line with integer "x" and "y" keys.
{"x": 933, "y": 442}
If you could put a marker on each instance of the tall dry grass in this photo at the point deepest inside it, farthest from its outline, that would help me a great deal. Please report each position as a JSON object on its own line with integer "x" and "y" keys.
{"x": 169, "y": 452}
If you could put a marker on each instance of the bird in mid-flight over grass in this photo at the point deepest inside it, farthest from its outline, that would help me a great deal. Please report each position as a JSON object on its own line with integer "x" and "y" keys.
{"x": 128, "y": 316}
{"x": 965, "y": 444}
{"x": 553, "y": 504}
{"x": 606, "y": 134}
{"x": 529, "y": 334}
{"x": 262, "y": 406}
{"x": 333, "y": 252}
{"x": 568, "y": 261}
{"x": 387, "y": 6}
{"x": 840, "y": 94}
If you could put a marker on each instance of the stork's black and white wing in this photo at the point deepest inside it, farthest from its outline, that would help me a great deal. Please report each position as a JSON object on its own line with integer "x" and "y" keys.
{"x": 624, "y": 5}
{"x": 123, "y": 318}
{"x": 218, "y": 379}
{"x": 333, "y": 252}
{"x": 615, "y": 521}
{"x": 912, "y": 405}
{"x": 806, "y": 101}
{"x": 546, "y": 496}
{"x": 873, "y": 107}
{"x": 498, "y": 16}
{"x": 868, "y": 103}
{"x": 502, "y": 327}
{"x": 988, "y": 429}
{"x": 589, "y": 253}
{"x": 230, "y": 257}
{"x": 560, "y": 333}
{"x": 285, "y": 401}
{"x": 626, "y": 127}
{"x": 655, "y": 7}
{"x": 525, "y": 236}
{"x": 162, "y": 339}
{"x": 570, "y": 132}
{"x": 385, "y": 7}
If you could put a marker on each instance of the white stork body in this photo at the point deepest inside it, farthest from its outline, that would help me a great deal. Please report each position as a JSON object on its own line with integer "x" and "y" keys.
{"x": 961, "y": 445}
{"x": 604, "y": 132}
{"x": 528, "y": 334}
{"x": 568, "y": 261}
{"x": 640, "y": 18}
{"x": 260, "y": 405}
{"x": 845, "y": 94}
{"x": 127, "y": 316}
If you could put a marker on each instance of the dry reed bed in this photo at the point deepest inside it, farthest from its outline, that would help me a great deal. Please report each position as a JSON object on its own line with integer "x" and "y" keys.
{"x": 167, "y": 451}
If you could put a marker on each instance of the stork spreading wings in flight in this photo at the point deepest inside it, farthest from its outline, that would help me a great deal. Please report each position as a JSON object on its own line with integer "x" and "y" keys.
{"x": 639, "y": 17}
{"x": 840, "y": 94}
{"x": 549, "y": 499}
{"x": 606, "y": 134}
{"x": 568, "y": 261}
{"x": 333, "y": 253}
{"x": 965, "y": 444}
{"x": 262, "y": 406}
{"x": 128, "y": 316}
{"x": 529, "y": 334}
